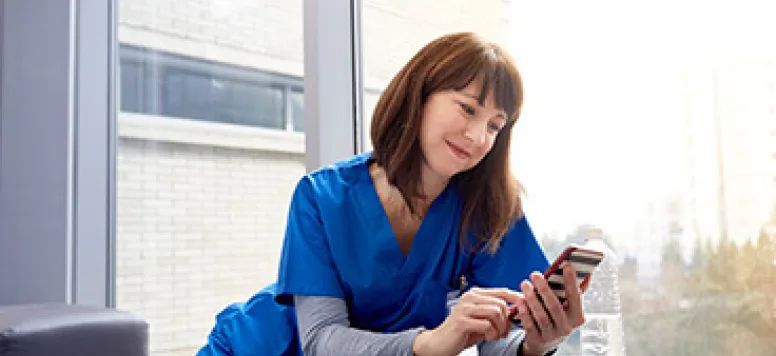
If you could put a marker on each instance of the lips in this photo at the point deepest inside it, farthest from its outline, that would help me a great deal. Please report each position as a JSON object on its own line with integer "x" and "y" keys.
{"x": 458, "y": 151}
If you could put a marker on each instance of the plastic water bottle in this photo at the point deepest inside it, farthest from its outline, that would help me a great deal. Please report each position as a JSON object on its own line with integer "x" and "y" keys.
{"x": 602, "y": 334}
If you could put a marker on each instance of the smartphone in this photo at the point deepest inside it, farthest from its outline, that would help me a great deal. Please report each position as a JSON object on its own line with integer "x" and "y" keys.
{"x": 585, "y": 260}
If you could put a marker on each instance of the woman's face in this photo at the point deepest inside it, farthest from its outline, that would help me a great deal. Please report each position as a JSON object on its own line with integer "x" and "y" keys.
{"x": 456, "y": 132}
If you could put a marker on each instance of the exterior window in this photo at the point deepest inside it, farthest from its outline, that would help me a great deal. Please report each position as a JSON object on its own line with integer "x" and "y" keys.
{"x": 192, "y": 88}
{"x": 297, "y": 109}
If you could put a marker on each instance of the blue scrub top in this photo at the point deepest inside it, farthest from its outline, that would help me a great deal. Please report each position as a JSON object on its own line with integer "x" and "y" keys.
{"x": 339, "y": 243}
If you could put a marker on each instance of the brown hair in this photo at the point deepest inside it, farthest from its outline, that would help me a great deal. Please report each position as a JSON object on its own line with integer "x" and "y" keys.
{"x": 491, "y": 200}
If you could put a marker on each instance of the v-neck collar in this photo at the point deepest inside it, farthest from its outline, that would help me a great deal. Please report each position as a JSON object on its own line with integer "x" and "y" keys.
{"x": 389, "y": 251}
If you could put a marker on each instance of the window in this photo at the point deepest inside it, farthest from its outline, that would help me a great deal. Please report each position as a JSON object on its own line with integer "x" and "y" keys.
{"x": 193, "y": 88}
{"x": 132, "y": 79}
{"x": 297, "y": 109}
{"x": 615, "y": 108}
{"x": 210, "y": 147}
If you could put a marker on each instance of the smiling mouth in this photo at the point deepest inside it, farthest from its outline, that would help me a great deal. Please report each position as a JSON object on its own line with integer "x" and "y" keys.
{"x": 460, "y": 152}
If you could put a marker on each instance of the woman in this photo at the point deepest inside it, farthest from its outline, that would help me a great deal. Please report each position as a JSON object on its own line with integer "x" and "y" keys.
{"x": 377, "y": 245}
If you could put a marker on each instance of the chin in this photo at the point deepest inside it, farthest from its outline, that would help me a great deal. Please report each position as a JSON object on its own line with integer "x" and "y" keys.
{"x": 446, "y": 169}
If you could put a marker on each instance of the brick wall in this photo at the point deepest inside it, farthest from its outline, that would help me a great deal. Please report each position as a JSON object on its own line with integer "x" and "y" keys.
{"x": 200, "y": 225}
{"x": 257, "y": 33}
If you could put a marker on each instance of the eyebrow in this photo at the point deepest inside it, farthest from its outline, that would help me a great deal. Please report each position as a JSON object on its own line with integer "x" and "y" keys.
{"x": 476, "y": 98}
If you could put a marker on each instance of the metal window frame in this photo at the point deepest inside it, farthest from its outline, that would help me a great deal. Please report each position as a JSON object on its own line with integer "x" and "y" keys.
{"x": 332, "y": 84}
{"x": 58, "y": 137}
{"x": 57, "y": 167}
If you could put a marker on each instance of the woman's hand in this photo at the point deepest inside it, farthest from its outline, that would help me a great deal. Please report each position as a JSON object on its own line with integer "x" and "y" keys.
{"x": 547, "y": 328}
{"x": 480, "y": 314}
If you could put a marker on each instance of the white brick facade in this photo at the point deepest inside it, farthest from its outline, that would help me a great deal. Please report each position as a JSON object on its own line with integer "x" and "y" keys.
{"x": 201, "y": 216}
{"x": 198, "y": 227}
{"x": 256, "y": 33}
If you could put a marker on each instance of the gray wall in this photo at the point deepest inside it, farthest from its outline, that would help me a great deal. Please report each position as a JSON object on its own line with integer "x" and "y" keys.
{"x": 56, "y": 153}
{"x": 36, "y": 153}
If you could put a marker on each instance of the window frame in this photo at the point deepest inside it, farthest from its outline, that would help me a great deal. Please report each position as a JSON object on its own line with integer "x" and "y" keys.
{"x": 72, "y": 211}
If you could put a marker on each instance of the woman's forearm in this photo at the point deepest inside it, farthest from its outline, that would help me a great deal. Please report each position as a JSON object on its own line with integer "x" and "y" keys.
{"x": 325, "y": 330}
{"x": 507, "y": 346}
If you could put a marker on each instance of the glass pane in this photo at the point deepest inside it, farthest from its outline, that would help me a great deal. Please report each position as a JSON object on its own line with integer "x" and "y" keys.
{"x": 198, "y": 96}
{"x": 203, "y": 185}
{"x": 297, "y": 109}
{"x": 131, "y": 74}
{"x": 370, "y": 100}
{"x": 188, "y": 95}
{"x": 649, "y": 125}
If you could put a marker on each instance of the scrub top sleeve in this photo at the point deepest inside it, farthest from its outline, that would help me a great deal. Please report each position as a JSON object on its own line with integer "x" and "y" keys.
{"x": 518, "y": 256}
{"x": 306, "y": 264}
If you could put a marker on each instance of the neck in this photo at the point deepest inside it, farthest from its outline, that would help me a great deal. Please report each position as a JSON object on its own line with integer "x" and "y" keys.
{"x": 432, "y": 185}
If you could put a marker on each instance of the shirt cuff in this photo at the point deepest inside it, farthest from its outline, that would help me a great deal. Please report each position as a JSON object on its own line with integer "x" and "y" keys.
{"x": 520, "y": 350}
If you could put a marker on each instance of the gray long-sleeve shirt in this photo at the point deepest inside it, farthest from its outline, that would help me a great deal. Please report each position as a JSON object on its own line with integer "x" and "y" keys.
{"x": 324, "y": 329}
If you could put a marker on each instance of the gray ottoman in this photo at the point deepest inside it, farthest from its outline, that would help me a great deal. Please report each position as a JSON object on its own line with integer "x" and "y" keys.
{"x": 70, "y": 330}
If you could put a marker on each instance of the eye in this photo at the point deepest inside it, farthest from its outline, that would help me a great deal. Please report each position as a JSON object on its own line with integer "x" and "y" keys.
{"x": 494, "y": 127}
{"x": 468, "y": 109}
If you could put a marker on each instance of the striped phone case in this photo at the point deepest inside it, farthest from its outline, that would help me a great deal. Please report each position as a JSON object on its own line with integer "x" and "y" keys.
{"x": 584, "y": 261}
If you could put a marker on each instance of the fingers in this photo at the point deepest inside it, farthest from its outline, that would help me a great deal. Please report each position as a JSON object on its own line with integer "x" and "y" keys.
{"x": 557, "y": 314}
{"x": 471, "y": 319}
{"x": 490, "y": 307}
{"x": 529, "y": 325}
{"x": 573, "y": 296}
{"x": 544, "y": 318}
{"x": 507, "y": 295}
{"x": 542, "y": 321}
{"x": 486, "y": 313}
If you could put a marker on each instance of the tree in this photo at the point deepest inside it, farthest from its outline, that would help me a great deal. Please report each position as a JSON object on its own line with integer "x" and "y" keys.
{"x": 630, "y": 291}
{"x": 720, "y": 312}
{"x": 746, "y": 266}
{"x": 699, "y": 256}
{"x": 721, "y": 264}
{"x": 672, "y": 274}
{"x": 764, "y": 269}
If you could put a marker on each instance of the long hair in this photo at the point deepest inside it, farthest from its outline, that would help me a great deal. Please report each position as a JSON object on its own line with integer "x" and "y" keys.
{"x": 490, "y": 193}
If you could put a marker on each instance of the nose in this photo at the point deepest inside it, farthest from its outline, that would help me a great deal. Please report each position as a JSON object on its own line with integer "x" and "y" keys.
{"x": 477, "y": 131}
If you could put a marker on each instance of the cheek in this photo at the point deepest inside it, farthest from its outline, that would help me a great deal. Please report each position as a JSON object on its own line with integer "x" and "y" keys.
{"x": 442, "y": 124}
{"x": 487, "y": 146}
{"x": 431, "y": 137}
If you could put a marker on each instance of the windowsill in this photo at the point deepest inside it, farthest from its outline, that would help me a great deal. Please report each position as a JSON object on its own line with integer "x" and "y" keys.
{"x": 159, "y": 128}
